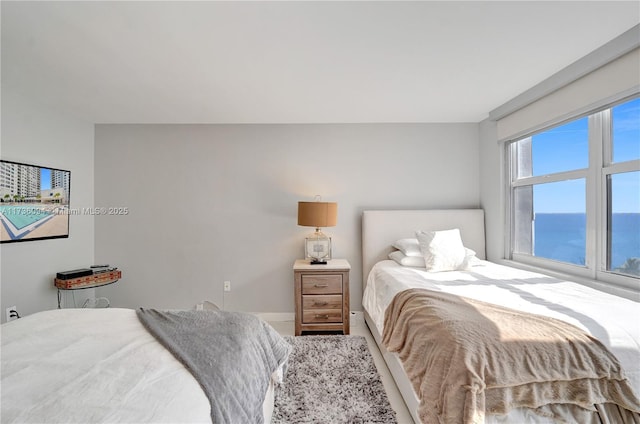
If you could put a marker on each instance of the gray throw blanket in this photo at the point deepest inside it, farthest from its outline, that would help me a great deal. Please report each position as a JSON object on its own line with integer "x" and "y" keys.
{"x": 231, "y": 354}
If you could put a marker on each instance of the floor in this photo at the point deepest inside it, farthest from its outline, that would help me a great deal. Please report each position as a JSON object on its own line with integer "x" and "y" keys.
{"x": 359, "y": 328}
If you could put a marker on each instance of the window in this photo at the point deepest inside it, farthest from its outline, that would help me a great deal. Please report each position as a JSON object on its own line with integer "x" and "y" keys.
{"x": 574, "y": 197}
{"x": 559, "y": 219}
{"x": 626, "y": 131}
{"x": 623, "y": 253}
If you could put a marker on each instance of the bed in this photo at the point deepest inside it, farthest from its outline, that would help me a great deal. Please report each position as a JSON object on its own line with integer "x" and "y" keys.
{"x": 103, "y": 365}
{"x": 486, "y": 283}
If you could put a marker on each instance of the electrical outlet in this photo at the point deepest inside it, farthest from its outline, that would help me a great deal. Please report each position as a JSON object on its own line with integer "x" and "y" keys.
{"x": 8, "y": 311}
{"x": 227, "y": 286}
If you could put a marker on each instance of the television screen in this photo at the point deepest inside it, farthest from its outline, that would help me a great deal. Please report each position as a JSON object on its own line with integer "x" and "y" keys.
{"x": 34, "y": 202}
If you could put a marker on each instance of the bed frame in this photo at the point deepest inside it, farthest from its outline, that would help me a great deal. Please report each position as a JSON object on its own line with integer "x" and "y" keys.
{"x": 380, "y": 229}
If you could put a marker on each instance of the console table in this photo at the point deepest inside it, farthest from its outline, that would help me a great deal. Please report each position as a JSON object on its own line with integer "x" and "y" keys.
{"x": 86, "y": 282}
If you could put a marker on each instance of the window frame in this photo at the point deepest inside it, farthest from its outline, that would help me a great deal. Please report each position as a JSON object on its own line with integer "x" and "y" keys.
{"x": 600, "y": 167}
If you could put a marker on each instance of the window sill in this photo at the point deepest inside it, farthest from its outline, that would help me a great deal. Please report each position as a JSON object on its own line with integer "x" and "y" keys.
{"x": 610, "y": 288}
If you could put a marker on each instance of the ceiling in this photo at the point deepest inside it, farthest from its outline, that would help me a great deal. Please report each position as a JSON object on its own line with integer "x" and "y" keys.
{"x": 294, "y": 62}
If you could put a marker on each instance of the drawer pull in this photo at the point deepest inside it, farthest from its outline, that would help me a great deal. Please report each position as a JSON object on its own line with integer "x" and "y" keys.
{"x": 325, "y": 316}
{"x": 321, "y": 285}
{"x": 320, "y": 303}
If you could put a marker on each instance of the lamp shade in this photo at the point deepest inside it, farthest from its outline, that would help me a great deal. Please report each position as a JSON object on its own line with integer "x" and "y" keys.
{"x": 317, "y": 214}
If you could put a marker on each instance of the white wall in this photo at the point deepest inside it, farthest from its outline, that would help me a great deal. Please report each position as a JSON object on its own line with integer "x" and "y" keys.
{"x": 492, "y": 192}
{"x": 209, "y": 203}
{"x": 37, "y": 135}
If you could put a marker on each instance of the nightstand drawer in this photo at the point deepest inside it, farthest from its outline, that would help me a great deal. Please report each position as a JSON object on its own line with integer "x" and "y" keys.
{"x": 315, "y": 301}
{"x": 322, "y": 315}
{"x": 322, "y": 284}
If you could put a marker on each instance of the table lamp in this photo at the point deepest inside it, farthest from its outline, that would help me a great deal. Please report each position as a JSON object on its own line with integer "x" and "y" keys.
{"x": 317, "y": 246}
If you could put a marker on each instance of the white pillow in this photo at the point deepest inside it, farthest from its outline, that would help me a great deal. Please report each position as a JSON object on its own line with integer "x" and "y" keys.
{"x": 470, "y": 259}
{"x": 408, "y": 246}
{"x": 402, "y": 259}
{"x": 442, "y": 250}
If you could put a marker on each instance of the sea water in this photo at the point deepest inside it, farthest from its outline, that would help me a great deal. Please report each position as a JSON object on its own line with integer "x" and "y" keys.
{"x": 562, "y": 237}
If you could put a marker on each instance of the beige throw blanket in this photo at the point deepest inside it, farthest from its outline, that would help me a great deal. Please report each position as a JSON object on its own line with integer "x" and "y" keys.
{"x": 467, "y": 359}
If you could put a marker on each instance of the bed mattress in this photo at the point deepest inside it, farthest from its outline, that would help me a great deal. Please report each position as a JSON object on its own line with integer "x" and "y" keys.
{"x": 95, "y": 365}
{"x": 611, "y": 319}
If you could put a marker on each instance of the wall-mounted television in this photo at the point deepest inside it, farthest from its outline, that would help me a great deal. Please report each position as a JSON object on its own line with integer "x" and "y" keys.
{"x": 34, "y": 202}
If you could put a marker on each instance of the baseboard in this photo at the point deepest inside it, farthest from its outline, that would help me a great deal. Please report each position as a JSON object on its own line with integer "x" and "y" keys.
{"x": 356, "y": 318}
{"x": 276, "y": 316}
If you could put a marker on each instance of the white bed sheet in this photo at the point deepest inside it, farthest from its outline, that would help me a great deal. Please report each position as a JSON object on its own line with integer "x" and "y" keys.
{"x": 95, "y": 365}
{"x": 614, "y": 320}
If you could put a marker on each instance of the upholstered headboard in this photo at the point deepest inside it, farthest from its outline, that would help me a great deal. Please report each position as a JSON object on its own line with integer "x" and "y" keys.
{"x": 381, "y": 228}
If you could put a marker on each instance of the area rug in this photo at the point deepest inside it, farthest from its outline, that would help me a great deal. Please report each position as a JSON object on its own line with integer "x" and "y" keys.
{"x": 331, "y": 379}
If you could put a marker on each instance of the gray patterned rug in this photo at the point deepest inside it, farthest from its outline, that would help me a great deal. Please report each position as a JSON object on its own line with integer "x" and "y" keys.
{"x": 333, "y": 380}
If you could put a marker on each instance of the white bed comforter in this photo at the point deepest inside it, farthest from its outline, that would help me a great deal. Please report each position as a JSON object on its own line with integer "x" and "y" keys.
{"x": 49, "y": 374}
{"x": 615, "y": 321}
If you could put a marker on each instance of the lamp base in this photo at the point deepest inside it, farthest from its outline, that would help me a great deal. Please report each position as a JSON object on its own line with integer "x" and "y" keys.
{"x": 317, "y": 248}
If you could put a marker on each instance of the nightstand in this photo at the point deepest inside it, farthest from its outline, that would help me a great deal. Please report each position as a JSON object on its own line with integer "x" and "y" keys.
{"x": 322, "y": 296}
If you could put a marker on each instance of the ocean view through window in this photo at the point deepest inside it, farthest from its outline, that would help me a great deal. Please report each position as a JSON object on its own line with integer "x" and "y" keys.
{"x": 575, "y": 195}
{"x": 561, "y": 237}
{"x": 559, "y": 221}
